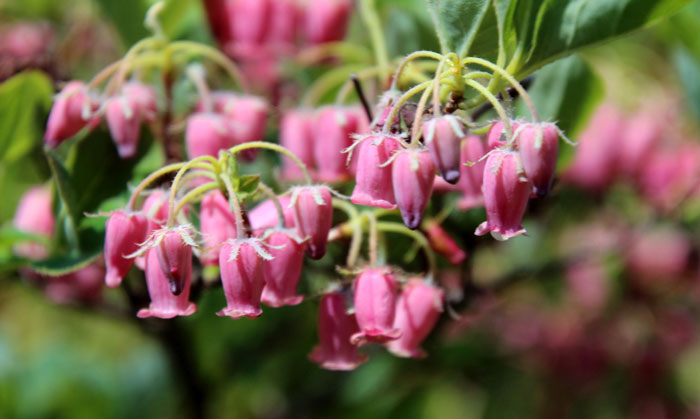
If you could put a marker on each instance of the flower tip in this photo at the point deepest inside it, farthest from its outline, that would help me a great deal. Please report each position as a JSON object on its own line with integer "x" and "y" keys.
{"x": 112, "y": 278}
{"x": 412, "y": 220}
{"x": 451, "y": 176}
{"x": 316, "y": 252}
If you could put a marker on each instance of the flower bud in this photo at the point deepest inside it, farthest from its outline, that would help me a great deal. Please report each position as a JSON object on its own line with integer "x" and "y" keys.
{"x": 671, "y": 176}
{"x": 217, "y": 223}
{"x": 661, "y": 253}
{"x": 164, "y": 304}
{"x": 496, "y": 135}
{"x": 66, "y": 117}
{"x": 206, "y": 134}
{"x": 506, "y": 193}
{"x": 335, "y": 326}
{"x": 282, "y": 273}
{"x": 442, "y": 136}
{"x": 373, "y": 185}
{"x": 472, "y": 176}
{"x": 296, "y": 134}
{"x": 539, "y": 145}
{"x": 144, "y": 98}
{"x": 375, "y": 299}
{"x": 34, "y": 215}
{"x": 175, "y": 258}
{"x": 265, "y": 215}
{"x": 124, "y": 121}
{"x": 413, "y": 173}
{"x": 417, "y": 310}
{"x": 242, "y": 278}
{"x": 332, "y": 135}
{"x": 124, "y": 233}
{"x": 442, "y": 243}
{"x": 313, "y": 215}
{"x": 326, "y": 20}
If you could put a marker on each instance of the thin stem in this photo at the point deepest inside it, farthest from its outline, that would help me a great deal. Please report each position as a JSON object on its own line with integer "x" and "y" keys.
{"x": 151, "y": 178}
{"x": 373, "y": 233}
{"x": 403, "y": 99}
{"x": 392, "y": 227}
{"x": 347, "y": 51}
{"x": 371, "y": 19}
{"x": 354, "y": 219}
{"x": 274, "y": 147}
{"x": 506, "y": 75}
{"x": 328, "y": 81}
{"x": 347, "y": 87}
{"x": 418, "y": 120}
{"x": 196, "y": 75}
{"x": 124, "y": 69}
{"x": 275, "y": 200}
{"x": 176, "y": 183}
{"x": 436, "y": 86}
{"x": 410, "y": 57}
{"x": 233, "y": 201}
{"x": 496, "y": 105}
{"x": 194, "y": 193}
{"x": 361, "y": 95}
{"x": 214, "y": 55}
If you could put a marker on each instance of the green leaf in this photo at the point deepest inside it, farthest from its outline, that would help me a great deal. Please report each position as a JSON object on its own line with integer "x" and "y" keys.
{"x": 24, "y": 102}
{"x": 561, "y": 27}
{"x": 246, "y": 185}
{"x": 457, "y": 22}
{"x": 127, "y": 17}
{"x": 61, "y": 264}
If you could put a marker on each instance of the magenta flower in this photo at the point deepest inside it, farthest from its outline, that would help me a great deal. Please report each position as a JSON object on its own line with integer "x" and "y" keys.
{"x": 472, "y": 176}
{"x": 417, "y": 310}
{"x": 164, "y": 304}
{"x": 506, "y": 192}
{"x": 296, "y": 134}
{"x": 413, "y": 173}
{"x": 124, "y": 233}
{"x": 34, "y": 215}
{"x": 496, "y": 135}
{"x": 539, "y": 146}
{"x": 442, "y": 136}
{"x": 373, "y": 185}
{"x": 175, "y": 258}
{"x": 326, "y": 20}
{"x": 123, "y": 117}
{"x": 242, "y": 278}
{"x": 313, "y": 215}
{"x": 335, "y": 326}
{"x": 265, "y": 216}
{"x": 69, "y": 114}
{"x": 282, "y": 273}
{"x": 144, "y": 98}
{"x": 442, "y": 243}
{"x": 217, "y": 224}
{"x": 247, "y": 116}
{"x": 375, "y": 298}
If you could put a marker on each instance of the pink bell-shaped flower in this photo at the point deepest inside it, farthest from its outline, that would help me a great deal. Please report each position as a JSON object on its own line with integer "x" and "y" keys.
{"x": 373, "y": 185}
{"x": 247, "y": 116}
{"x": 282, "y": 273}
{"x": 82, "y": 286}
{"x": 442, "y": 135}
{"x": 472, "y": 176}
{"x": 413, "y": 173}
{"x": 496, "y": 135}
{"x": 539, "y": 146}
{"x": 265, "y": 216}
{"x": 67, "y": 114}
{"x": 332, "y": 134}
{"x": 220, "y": 16}
{"x": 164, "y": 304}
{"x": 417, "y": 310}
{"x": 124, "y": 121}
{"x": 242, "y": 278}
{"x": 375, "y": 299}
{"x": 217, "y": 224}
{"x": 595, "y": 164}
{"x": 249, "y": 20}
{"x": 145, "y": 99}
{"x": 335, "y": 326}
{"x": 124, "y": 233}
{"x": 506, "y": 193}
{"x": 206, "y": 134}
{"x": 296, "y": 134}
{"x": 313, "y": 215}
{"x": 282, "y": 30}
{"x": 34, "y": 215}
{"x": 326, "y": 20}
{"x": 175, "y": 258}
{"x": 441, "y": 242}
{"x": 155, "y": 208}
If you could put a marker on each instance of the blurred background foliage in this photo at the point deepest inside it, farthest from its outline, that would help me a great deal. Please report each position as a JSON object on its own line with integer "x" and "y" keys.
{"x": 71, "y": 362}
